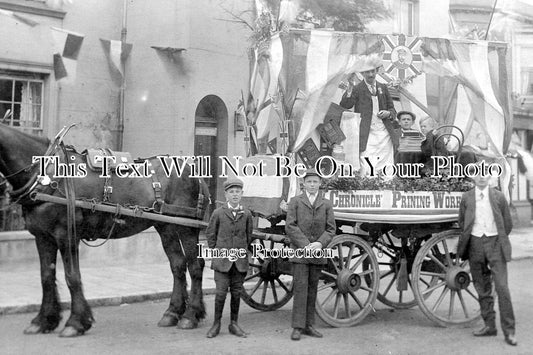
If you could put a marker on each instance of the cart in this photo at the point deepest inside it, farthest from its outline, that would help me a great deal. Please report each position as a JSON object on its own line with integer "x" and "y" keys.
{"x": 401, "y": 260}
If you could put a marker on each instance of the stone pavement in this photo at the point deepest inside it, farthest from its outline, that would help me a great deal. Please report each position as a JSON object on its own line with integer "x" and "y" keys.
{"x": 20, "y": 289}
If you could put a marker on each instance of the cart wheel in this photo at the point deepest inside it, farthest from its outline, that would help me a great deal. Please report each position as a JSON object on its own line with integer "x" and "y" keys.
{"x": 343, "y": 298}
{"x": 268, "y": 273}
{"x": 392, "y": 292}
{"x": 452, "y": 300}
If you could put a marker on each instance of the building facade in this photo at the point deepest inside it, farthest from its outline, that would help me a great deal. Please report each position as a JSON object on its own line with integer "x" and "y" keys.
{"x": 175, "y": 91}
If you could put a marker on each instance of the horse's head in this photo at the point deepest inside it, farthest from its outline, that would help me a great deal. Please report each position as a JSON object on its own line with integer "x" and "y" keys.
{"x": 17, "y": 150}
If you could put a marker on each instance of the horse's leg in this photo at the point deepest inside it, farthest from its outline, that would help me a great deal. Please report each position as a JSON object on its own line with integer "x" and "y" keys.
{"x": 49, "y": 315}
{"x": 178, "y": 298}
{"x": 195, "y": 310}
{"x": 81, "y": 317}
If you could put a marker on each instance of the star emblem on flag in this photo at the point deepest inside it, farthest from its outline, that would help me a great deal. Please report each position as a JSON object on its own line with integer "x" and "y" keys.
{"x": 402, "y": 56}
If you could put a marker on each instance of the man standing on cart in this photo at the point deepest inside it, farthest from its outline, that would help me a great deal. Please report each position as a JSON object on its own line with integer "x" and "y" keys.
{"x": 374, "y": 102}
{"x": 486, "y": 222}
{"x": 310, "y": 224}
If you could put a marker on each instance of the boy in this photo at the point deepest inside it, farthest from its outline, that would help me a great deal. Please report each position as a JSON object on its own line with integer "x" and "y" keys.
{"x": 230, "y": 227}
{"x": 310, "y": 224}
{"x": 407, "y": 140}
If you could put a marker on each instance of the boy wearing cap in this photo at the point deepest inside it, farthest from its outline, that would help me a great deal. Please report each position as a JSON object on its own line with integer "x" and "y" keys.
{"x": 310, "y": 224}
{"x": 230, "y": 227}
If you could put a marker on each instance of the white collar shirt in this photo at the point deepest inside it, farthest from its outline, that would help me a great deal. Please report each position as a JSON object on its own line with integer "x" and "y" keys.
{"x": 372, "y": 88}
{"x": 234, "y": 209}
{"x": 484, "y": 223}
{"x": 311, "y": 197}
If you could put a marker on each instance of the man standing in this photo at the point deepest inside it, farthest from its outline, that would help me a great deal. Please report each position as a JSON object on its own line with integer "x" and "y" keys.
{"x": 486, "y": 223}
{"x": 310, "y": 224}
{"x": 374, "y": 102}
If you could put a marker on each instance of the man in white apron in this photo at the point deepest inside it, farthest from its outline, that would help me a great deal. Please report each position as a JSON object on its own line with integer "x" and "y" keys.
{"x": 378, "y": 116}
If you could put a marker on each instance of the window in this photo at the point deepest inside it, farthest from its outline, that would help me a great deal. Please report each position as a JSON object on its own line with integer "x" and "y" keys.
{"x": 23, "y": 97}
{"x": 409, "y": 18}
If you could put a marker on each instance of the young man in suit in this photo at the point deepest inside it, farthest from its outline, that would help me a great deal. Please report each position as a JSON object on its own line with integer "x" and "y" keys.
{"x": 310, "y": 224}
{"x": 373, "y": 101}
{"x": 486, "y": 222}
{"x": 230, "y": 227}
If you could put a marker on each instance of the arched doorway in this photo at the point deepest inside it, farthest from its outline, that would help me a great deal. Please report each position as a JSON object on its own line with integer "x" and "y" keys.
{"x": 211, "y": 137}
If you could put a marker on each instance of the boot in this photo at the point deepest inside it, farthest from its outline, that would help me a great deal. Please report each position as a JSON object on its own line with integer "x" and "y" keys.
{"x": 234, "y": 327}
{"x": 219, "y": 307}
{"x": 215, "y": 329}
{"x": 236, "y": 330}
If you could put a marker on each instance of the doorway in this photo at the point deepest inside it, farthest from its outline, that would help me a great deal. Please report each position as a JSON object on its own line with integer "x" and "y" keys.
{"x": 211, "y": 139}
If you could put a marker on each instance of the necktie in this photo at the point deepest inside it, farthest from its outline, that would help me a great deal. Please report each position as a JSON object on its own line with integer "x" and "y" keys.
{"x": 312, "y": 198}
{"x": 481, "y": 196}
{"x": 373, "y": 90}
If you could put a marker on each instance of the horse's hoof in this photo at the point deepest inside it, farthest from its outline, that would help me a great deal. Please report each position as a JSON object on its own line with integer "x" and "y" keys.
{"x": 186, "y": 323}
{"x": 70, "y": 332}
{"x": 167, "y": 321}
{"x": 33, "y": 329}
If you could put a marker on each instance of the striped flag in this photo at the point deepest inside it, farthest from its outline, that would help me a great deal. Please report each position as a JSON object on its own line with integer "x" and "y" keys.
{"x": 313, "y": 65}
{"x": 482, "y": 70}
{"x": 117, "y": 52}
{"x": 67, "y": 47}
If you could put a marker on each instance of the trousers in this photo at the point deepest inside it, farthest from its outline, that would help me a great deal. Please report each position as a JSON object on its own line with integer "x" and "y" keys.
{"x": 305, "y": 278}
{"x": 487, "y": 264}
{"x": 233, "y": 279}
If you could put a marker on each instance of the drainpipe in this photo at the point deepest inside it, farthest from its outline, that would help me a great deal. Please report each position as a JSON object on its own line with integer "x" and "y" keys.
{"x": 123, "y": 33}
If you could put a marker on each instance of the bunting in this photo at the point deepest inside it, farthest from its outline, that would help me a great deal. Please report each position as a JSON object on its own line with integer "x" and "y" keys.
{"x": 67, "y": 47}
{"x": 117, "y": 53}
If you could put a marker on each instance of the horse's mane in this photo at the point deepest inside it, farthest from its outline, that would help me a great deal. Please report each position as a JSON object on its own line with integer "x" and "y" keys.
{"x": 19, "y": 134}
{"x": 33, "y": 142}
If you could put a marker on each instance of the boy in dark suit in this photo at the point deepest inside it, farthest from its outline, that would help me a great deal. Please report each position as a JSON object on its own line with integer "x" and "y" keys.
{"x": 230, "y": 227}
{"x": 310, "y": 224}
{"x": 486, "y": 222}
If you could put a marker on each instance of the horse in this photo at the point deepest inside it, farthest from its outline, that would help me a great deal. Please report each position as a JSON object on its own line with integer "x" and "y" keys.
{"x": 49, "y": 224}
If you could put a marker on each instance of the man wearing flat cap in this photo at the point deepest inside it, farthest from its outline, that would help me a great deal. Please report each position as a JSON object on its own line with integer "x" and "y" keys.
{"x": 374, "y": 102}
{"x": 310, "y": 224}
{"x": 230, "y": 227}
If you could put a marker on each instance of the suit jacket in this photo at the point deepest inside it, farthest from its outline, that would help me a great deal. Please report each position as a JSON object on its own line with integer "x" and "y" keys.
{"x": 308, "y": 223}
{"x": 226, "y": 231}
{"x": 361, "y": 101}
{"x": 502, "y": 218}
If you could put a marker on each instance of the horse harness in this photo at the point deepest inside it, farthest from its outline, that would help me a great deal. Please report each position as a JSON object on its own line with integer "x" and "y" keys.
{"x": 159, "y": 205}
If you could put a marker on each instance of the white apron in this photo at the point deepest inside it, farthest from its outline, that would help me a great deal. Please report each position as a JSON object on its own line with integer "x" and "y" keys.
{"x": 379, "y": 147}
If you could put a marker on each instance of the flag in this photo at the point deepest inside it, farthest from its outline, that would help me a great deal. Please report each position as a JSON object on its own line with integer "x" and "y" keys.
{"x": 482, "y": 71}
{"x": 67, "y": 47}
{"x": 314, "y": 64}
{"x": 117, "y": 52}
{"x": 23, "y": 19}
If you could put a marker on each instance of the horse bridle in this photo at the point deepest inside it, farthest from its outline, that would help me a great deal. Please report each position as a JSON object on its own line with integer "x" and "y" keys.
{"x": 28, "y": 187}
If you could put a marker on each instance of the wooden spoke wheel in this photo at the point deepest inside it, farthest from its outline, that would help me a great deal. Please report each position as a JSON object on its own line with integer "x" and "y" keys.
{"x": 343, "y": 298}
{"x": 452, "y": 299}
{"x": 395, "y": 258}
{"x": 268, "y": 285}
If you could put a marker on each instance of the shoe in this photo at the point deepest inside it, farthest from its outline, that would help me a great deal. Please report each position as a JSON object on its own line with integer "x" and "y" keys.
{"x": 511, "y": 339}
{"x": 215, "y": 329}
{"x": 296, "y": 334}
{"x": 485, "y": 332}
{"x": 236, "y": 330}
{"x": 311, "y": 331}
